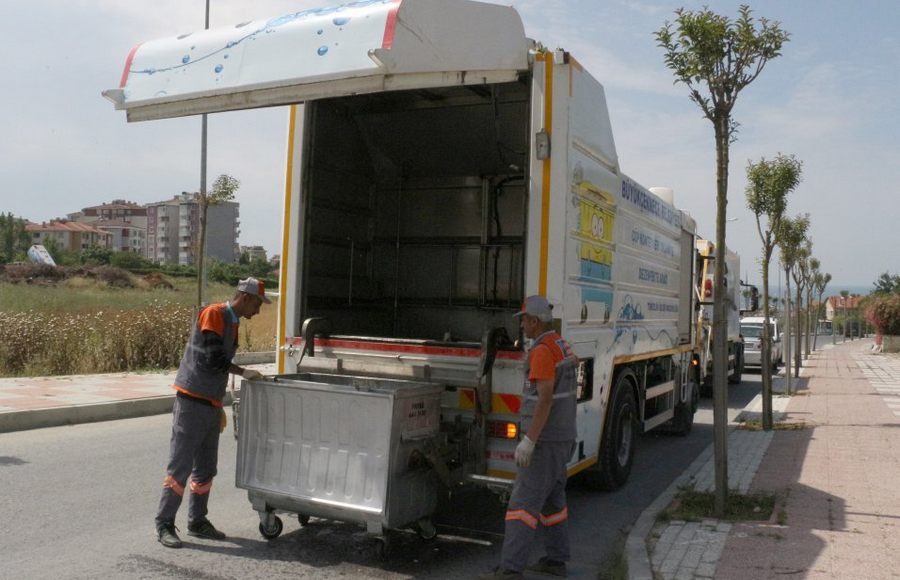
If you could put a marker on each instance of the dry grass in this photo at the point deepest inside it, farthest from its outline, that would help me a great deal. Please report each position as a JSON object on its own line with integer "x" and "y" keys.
{"x": 83, "y": 325}
{"x": 690, "y": 505}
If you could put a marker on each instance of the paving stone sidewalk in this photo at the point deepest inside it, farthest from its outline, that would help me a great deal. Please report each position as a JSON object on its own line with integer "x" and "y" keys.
{"x": 838, "y": 514}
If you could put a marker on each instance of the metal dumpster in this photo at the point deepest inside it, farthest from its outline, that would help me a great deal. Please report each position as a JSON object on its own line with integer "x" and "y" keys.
{"x": 341, "y": 447}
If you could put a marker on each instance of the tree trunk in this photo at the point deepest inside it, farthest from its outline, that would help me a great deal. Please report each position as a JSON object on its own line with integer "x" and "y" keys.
{"x": 766, "y": 369}
{"x": 787, "y": 322}
{"x": 799, "y": 341}
{"x": 720, "y": 326}
{"x": 809, "y": 319}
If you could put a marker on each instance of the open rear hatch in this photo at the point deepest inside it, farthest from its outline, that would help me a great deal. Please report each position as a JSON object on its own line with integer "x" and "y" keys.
{"x": 360, "y": 47}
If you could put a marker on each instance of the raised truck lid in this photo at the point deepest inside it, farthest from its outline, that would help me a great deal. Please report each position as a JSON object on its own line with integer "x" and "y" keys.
{"x": 359, "y": 47}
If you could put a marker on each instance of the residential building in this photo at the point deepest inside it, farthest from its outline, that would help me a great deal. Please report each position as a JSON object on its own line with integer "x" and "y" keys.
{"x": 125, "y": 221}
{"x": 254, "y": 252}
{"x": 173, "y": 230}
{"x": 68, "y": 235}
{"x": 124, "y": 236}
{"x": 842, "y": 306}
{"x": 117, "y": 209}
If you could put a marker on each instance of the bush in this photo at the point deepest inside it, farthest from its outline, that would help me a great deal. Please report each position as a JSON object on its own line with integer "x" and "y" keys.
{"x": 883, "y": 312}
{"x": 114, "y": 277}
{"x": 127, "y": 260}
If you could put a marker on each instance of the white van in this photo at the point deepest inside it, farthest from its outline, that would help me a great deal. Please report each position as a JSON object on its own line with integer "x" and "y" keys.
{"x": 752, "y": 331}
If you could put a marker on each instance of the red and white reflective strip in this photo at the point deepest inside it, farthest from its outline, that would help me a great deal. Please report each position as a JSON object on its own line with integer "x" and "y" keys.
{"x": 170, "y": 482}
{"x": 398, "y": 348}
{"x": 556, "y": 518}
{"x": 201, "y": 488}
{"x": 524, "y": 517}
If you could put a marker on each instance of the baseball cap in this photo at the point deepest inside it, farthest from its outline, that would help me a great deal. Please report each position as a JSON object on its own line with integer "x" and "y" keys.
{"x": 537, "y": 306}
{"x": 254, "y": 287}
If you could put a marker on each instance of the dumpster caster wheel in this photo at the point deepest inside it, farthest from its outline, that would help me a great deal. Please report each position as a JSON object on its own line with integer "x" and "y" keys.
{"x": 274, "y": 530}
{"x": 304, "y": 520}
{"x": 426, "y": 529}
{"x": 383, "y": 548}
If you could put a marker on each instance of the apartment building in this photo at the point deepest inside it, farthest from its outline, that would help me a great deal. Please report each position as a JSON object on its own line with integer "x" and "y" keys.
{"x": 254, "y": 252}
{"x": 68, "y": 235}
{"x": 125, "y": 221}
{"x": 173, "y": 230}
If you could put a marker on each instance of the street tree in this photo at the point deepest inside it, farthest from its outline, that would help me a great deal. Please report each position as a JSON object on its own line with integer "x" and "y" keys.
{"x": 768, "y": 186}
{"x": 14, "y": 240}
{"x": 821, "y": 281}
{"x": 717, "y": 58}
{"x": 887, "y": 284}
{"x": 811, "y": 317}
{"x": 791, "y": 236}
{"x": 800, "y": 275}
{"x": 222, "y": 190}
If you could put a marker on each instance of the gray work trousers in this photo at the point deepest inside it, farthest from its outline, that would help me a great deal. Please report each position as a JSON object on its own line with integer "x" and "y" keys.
{"x": 194, "y": 452}
{"x": 538, "y": 501}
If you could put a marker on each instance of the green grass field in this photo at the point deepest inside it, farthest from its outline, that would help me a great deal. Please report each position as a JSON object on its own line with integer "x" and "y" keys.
{"x": 80, "y": 325}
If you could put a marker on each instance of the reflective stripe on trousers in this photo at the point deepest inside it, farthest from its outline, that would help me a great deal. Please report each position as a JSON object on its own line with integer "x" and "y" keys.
{"x": 538, "y": 497}
{"x": 193, "y": 453}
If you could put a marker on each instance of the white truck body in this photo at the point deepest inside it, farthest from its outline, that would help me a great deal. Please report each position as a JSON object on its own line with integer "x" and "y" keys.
{"x": 439, "y": 170}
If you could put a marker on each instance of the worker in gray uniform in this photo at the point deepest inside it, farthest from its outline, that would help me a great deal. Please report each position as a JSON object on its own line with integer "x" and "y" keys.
{"x": 548, "y": 413}
{"x": 198, "y": 416}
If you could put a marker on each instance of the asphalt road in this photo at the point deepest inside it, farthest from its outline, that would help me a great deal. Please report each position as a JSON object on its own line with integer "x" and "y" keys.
{"x": 79, "y": 501}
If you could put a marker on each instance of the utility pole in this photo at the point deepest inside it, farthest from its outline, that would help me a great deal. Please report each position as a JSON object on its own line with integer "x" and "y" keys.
{"x": 203, "y": 281}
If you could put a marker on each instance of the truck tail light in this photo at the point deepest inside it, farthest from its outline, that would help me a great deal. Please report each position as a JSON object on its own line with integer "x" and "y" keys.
{"x": 707, "y": 288}
{"x": 502, "y": 429}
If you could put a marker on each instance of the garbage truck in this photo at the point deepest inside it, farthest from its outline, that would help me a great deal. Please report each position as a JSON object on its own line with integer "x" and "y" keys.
{"x": 441, "y": 166}
{"x": 708, "y": 259}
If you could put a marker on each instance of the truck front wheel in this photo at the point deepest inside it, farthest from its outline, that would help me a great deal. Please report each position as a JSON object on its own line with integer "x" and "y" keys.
{"x": 619, "y": 438}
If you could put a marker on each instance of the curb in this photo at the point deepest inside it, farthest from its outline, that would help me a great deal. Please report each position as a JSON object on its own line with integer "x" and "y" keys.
{"x": 93, "y": 413}
{"x": 636, "y": 545}
{"x": 637, "y": 555}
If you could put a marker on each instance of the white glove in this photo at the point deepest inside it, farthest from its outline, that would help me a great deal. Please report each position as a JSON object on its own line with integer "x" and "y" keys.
{"x": 524, "y": 451}
{"x": 251, "y": 374}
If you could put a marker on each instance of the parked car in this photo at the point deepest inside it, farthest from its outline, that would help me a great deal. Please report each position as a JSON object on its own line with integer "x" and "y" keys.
{"x": 752, "y": 331}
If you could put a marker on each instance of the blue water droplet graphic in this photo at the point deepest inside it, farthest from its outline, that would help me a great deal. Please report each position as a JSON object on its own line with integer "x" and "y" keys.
{"x": 341, "y": 21}
{"x": 186, "y": 58}
{"x": 322, "y": 50}
{"x": 219, "y": 68}
{"x": 320, "y": 31}
{"x": 224, "y": 56}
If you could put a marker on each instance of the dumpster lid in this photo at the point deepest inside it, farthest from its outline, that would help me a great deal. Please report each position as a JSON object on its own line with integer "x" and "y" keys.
{"x": 358, "y": 47}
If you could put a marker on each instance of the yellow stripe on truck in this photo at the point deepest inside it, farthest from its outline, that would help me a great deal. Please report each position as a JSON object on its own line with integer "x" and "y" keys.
{"x": 545, "y": 181}
{"x": 285, "y": 237}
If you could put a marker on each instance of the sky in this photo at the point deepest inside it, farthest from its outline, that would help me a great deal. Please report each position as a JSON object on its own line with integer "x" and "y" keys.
{"x": 831, "y": 99}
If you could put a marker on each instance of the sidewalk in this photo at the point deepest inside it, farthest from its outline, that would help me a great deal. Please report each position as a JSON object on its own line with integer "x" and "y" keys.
{"x": 838, "y": 510}
{"x": 37, "y": 402}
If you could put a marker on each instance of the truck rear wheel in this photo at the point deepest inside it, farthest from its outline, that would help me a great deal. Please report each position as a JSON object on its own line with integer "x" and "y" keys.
{"x": 683, "y": 421}
{"x": 619, "y": 438}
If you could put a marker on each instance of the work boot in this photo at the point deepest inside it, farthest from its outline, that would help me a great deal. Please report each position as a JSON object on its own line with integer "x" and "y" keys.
{"x": 204, "y": 529}
{"x": 548, "y": 567}
{"x": 166, "y": 536}
{"x": 501, "y": 574}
